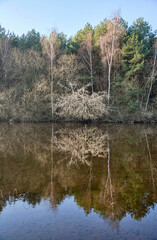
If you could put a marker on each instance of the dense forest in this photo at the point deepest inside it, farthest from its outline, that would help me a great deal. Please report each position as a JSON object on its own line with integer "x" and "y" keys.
{"x": 104, "y": 73}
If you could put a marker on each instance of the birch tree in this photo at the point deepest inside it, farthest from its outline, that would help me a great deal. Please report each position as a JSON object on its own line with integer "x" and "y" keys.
{"x": 152, "y": 77}
{"x": 49, "y": 47}
{"x": 109, "y": 46}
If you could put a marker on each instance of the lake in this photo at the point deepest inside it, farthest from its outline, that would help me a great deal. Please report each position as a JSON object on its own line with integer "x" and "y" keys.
{"x": 77, "y": 181}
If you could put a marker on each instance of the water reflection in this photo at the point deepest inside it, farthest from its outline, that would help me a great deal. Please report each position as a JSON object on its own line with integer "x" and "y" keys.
{"x": 109, "y": 170}
{"x": 80, "y": 145}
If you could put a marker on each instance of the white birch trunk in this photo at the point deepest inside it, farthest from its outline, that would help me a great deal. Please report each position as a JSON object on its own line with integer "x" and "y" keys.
{"x": 151, "y": 83}
{"x": 91, "y": 71}
{"x": 51, "y": 75}
{"x": 52, "y": 88}
{"x": 110, "y": 64}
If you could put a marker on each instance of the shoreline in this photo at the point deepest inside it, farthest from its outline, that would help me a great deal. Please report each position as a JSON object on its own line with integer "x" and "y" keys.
{"x": 131, "y": 122}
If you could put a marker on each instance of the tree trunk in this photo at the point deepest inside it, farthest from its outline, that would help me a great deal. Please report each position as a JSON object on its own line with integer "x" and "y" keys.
{"x": 51, "y": 79}
{"x": 91, "y": 72}
{"x": 151, "y": 83}
{"x": 110, "y": 64}
{"x": 109, "y": 84}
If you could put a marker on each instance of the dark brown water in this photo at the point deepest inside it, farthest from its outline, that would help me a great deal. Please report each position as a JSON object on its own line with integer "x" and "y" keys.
{"x": 81, "y": 182}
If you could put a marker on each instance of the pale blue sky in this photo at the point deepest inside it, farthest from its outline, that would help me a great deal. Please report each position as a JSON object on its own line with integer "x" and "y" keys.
{"x": 69, "y": 16}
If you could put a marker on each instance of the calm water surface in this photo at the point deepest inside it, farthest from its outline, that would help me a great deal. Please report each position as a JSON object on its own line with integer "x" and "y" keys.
{"x": 81, "y": 182}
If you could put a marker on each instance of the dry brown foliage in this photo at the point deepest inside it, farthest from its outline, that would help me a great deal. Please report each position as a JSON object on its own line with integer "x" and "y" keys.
{"x": 81, "y": 106}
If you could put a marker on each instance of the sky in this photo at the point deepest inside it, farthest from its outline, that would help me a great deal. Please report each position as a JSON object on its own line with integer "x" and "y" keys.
{"x": 69, "y": 16}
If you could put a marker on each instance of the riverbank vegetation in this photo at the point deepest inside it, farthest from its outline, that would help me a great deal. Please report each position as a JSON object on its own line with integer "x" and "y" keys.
{"x": 107, "y": 72}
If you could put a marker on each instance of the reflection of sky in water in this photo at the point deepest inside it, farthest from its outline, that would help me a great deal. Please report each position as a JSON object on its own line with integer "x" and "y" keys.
{"x": 69, "y": 222}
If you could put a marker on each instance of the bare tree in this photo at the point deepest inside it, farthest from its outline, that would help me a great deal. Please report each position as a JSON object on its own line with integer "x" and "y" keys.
{"x": 4, "y": 54}
{"x": 86, "y": 51}
{"x": 80, "y": 105}
{"x": 67, "y": 73}
{"x": 49, "y": 47}
{"x": 109, "y": 46}
{"x": 153, "y": 73}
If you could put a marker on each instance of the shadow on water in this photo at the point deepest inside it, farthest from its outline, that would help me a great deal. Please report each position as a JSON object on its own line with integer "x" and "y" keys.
{"x": 108, "y": 170}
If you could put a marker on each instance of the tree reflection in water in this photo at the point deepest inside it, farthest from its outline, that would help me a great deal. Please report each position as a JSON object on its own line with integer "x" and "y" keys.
{"x": 111, "y": 170}
{"x": 151, "y": 164}
{"x": 81, "y": 144}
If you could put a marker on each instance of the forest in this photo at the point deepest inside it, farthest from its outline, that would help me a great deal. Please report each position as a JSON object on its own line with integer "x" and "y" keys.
{"x": 104, "y": 73}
